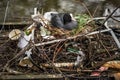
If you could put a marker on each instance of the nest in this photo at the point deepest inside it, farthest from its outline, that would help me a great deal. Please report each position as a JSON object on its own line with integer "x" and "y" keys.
{"x": 60, "y": 55}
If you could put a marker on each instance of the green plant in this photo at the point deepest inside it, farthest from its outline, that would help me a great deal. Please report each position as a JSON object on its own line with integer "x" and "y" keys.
{"x": 82, "y": 20}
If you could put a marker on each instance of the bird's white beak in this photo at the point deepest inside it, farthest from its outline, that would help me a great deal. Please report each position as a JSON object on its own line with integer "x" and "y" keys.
{"x": 72, "y": 17}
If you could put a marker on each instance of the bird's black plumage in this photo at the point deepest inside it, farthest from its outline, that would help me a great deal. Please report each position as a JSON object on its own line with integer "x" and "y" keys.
{"x": 63, "y": 20}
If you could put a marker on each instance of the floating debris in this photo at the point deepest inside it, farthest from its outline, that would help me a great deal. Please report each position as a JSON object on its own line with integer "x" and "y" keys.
{"x": 15, "y": 34}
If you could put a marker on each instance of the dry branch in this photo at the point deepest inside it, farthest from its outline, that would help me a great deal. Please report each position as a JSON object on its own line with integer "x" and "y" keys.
{"x": 16, "y": 56}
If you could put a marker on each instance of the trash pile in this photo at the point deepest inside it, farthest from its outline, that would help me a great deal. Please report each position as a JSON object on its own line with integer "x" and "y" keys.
{"x": 90, "y": 49}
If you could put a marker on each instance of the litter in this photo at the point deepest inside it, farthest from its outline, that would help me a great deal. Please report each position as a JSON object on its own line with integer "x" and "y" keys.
{"x": 15, "y": 34}
{"x": 26, "y": 37}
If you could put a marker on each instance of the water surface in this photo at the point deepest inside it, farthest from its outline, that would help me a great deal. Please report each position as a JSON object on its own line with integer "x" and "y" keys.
{"x": 21, "y": 10}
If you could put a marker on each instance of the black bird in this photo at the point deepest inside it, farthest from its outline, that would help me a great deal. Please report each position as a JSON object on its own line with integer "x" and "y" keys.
{"x": 63, "y": 20}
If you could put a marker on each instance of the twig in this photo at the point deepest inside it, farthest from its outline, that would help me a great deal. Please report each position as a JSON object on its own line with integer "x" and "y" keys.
{"x": 87, "y": 9}
{"x": 106, "y": 60}
{"x": 5, "y": 16}
{"x": 110, "y": 15}
{"x": 56, "y": 51}
{"x": 13, "y": 71}
{"x": 16, "y": 56}
{"x": 103, "y": 46}
{"x": 49, "y": 61}
{"x": 70, "y": 38}
{"x": 39, "y": 67}
{"x": 95, "y": 11}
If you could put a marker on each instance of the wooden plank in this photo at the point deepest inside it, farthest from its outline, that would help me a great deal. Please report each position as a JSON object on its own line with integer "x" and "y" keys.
{"x": 32, "y": 76}
{"x": 15, "y": 23}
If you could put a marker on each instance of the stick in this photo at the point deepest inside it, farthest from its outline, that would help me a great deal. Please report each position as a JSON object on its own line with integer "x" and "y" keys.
{"x": 70, "y": 38}
{"x": 16, "y": 56}
{"x": 106, "y": 60}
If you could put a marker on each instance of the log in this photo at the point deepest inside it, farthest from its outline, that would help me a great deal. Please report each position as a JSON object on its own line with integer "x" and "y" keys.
{"x": 32, "y": 76}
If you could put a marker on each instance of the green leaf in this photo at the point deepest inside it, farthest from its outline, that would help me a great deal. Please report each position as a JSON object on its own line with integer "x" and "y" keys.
{"x": 82, "y": 20}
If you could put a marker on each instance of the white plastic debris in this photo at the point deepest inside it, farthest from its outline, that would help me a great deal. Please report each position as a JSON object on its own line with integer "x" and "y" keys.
{"x": 28, "y": 53}
{"x": 80, "y": 58}
{"x": 78, "y": 61}
{"x": 15, "y": 34}
{"x": 81, "y": 53}
{"x": 24, "y": 39}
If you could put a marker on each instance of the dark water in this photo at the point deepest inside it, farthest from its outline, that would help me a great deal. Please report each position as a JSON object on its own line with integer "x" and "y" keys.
{"x": 21, "y": 10}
